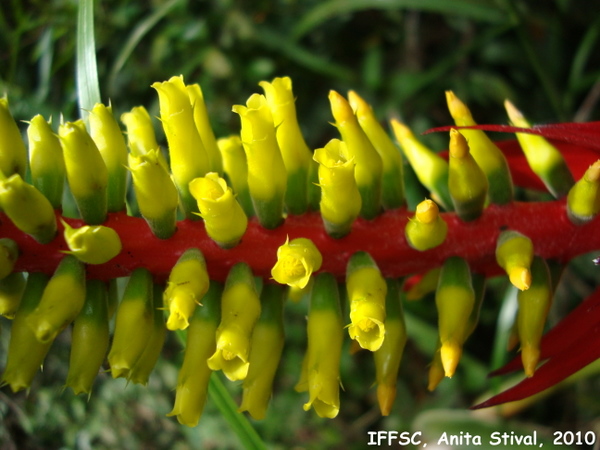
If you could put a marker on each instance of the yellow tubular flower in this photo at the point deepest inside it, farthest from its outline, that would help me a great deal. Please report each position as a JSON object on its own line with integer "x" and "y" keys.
{"x": 487, "y": 154}
{"x": 388, "y": 357}
{"x": 236, "y": 170}
{"x": 267, "y": 176}
{"x": 340, "y": 198}
{"x": 430, "y": 168}
{"x": 11, "y": 293}
{"x": 240, "y": 309}
{"x": 267, "y": 345}
{"x": 9, "y": 252}
{"x": 62, "y": 301}
{"x": 141, "y": 370}
{"x": 583, "y": 201}
{"x": 189, "y": 159}
{"x": 187, "y": 284}
{"x": 455, "y": 300}
{"x": 367, "y": 290}
{"x": 224, "y": 218}
{"x": 133, "y": 324}
{"x": 46, "y": 161}
{"x": 466, "y": 181}
{"x": 296, "y": 261}
{"x": 89, "y": 339}
{"x": 393, "y": 177}
{"x": 534, "y": 304}
{"x": 13, "y": 154}
{"x": 92, "y": 245}
{"x": 27, "y": 208}
{"x": 514, "y": 253}
{"x": 201, "y": 119}
{"x": 297, "y": 157}
{"x": 141, "y": 138}
{"x": 25, "y": 352}
{"x": 155, "y": 192}
{"x": 369, "y": 167}
{"x": 545, "y": 159}
{"x": 109, "y": 139}
{"x": 86, "y": 171}
{"x": 426, "y": 229}
{"x": 194, "y": 374}
{"x": 321, "y": 365}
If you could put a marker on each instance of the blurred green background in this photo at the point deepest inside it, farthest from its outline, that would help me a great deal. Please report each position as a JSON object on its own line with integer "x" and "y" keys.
{"x": 399, "y": 55}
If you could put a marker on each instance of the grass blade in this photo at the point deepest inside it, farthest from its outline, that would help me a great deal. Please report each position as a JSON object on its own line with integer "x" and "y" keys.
{"x": 88, "y": 88}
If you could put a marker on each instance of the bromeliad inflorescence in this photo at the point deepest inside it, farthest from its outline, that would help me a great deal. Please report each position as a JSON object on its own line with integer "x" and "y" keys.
{"x": 218, "y": 233}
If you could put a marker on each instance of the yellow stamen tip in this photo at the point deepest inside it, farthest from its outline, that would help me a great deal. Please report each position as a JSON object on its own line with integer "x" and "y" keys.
{"x": 458, "y": 144}
{"x": 450, "y": 354}
{"x": 427, "y": 211}
{"x": 386, "y": 394}
{"x": 520, "y": 277}
{"x": 530, "y": 356}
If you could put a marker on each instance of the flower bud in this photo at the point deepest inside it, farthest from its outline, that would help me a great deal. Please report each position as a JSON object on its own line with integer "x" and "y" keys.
{"x": 9, "y": 252}
{"x": 86, "y": 171}
{"x": 426, "y": 230}
{"x": 369, "y": 167}
{"x": 11, "y": 293}
{"x": 240, "y": 309}
{"x": 514, "y": 253}
{"x": 92, "y": 244}
{"x": 109, "y": 139}
{"x": 201, "y": 119}
{"x": 296, "y": 261}
{"x": 583, "y": 201}
{"x": 27, "y": 208}
{"x": 366, "y": 294}
{"x": 13, "y": 154}
{"x": 340, "y": 198}
{"x": 140, "y": 132}
{"x": 155, "y": 192}
{"x": 133, "y": 324}
{"x": 188, "y": 282}
{"x": 236, "y": 169}
{"x": 62, "y": 301}
{"x": 89, "y": 339}
{"x": 46, "y": 160}
{"x": 224, "y": 218}
{"x": 267, "y": 176}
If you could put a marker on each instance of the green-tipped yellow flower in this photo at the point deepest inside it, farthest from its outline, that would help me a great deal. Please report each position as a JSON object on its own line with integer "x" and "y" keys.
{"x": 340, "y": 198}
{"x": 194, "y": 374}
{"x": 89, "y": 339}
{"x": 583, "y": 201}
{"x": 296, "y": 261}
{"x": 534, "y": 304}
{"x": 133, "y": 324}
{"x": 430, "y": 168}
{"x": 140, "y": 132}
{"x": 321, "y": 366}
{"x": 224, "y": 218}
{"x": 426, "y": 229}
{"x": 141, "y": 370}
{"x": 92, "y": 245}
{"x": 366, "y": 293}
{"x": 46, "y": 161}
{"x": 155, "y": 192}
{"x": 389, "y": 355}
{"x": 514, "y": 253}
{"x": 369, "y": 167}
{"x": 296, "y": 154}
{"x": 487, "y": 154}
{"x": 267, "y": 345}
{"x": 455, "y": 300}
{"x": 467, "y": 183}
{"x": 107, "y": 135}
{"x": 25, "y": 352}
{"x": 393, "y": 178}
{"x": 13, "y": 154}
{"x": 27, "y": 208}
{"x": 9, "y": 252}
{"x": 544, "y": 158}
{"x": 267, "y": 176}
{"x": 201, "y": 119}
{"x": 188, "y": 282}
{"x": 236, "y": 170}
{"x": 188, "y": 156}
{"x": 11, "y": 293}
{"x": 62, "y": 301}
{"x": 240, "y": 309}
{"x": 86, "y": 171}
